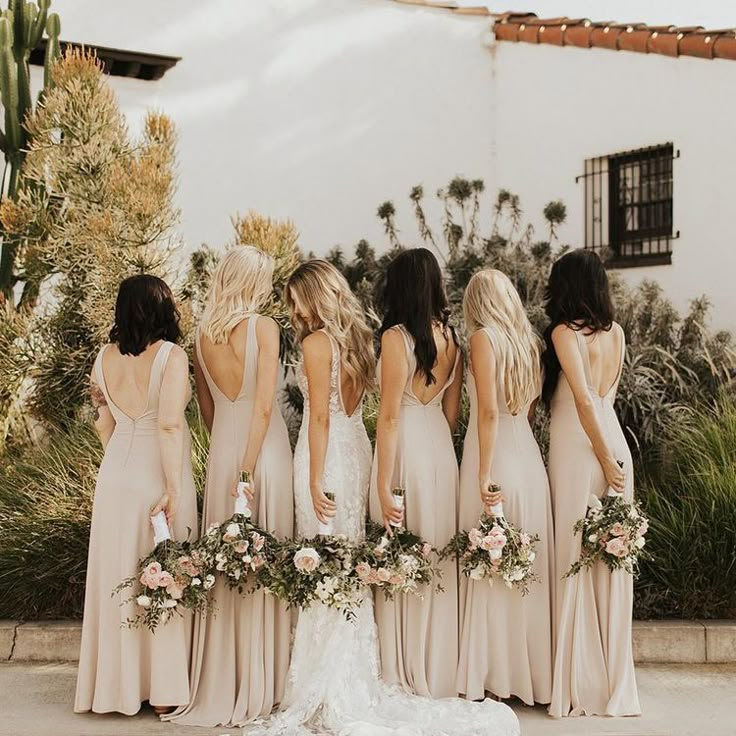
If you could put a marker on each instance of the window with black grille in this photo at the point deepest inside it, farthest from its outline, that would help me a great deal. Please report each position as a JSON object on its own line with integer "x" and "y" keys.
{"x": 628, "y": 206}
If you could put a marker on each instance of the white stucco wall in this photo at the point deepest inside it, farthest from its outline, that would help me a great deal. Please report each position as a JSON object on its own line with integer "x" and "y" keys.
{"x": 555, "y": 107}
{"x": 317, "y": 110}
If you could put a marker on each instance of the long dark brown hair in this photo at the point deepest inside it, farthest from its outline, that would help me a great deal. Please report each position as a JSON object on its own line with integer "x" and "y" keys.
{"x": 414, "y": 296}
{"x": 579, "y": 296}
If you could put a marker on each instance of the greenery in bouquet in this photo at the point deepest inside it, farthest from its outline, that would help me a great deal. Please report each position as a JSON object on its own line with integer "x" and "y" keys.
{"x": 318, "y": 570}
{"x": 496, "y": 549}
{"x": 171, "y": 578}
{"x": 238, "y": 550}
{"x": 400, "y": 563}
{"x": 613, "y": 531}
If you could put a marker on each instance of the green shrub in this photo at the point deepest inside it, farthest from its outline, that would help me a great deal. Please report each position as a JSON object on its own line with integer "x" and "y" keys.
{"x": 690, "y": 498}
{"x": 45, "y": 510}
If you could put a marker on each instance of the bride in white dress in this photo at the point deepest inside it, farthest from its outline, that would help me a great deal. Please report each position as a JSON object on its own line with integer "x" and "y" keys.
{"x": 334, "y": 686}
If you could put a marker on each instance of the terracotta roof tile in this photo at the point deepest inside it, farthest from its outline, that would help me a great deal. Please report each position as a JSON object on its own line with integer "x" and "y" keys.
{"x": 638, "y": 37}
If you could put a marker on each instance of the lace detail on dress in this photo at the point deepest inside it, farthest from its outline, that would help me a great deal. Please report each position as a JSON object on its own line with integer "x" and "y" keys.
{"x": 334, "y": 686}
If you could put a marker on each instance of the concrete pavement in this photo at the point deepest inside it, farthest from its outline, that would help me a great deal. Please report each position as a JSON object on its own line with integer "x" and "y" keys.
{"x": 678, "y": 700}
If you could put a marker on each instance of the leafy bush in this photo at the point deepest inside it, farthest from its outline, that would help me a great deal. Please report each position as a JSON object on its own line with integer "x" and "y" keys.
{"x": 690, "y": 497}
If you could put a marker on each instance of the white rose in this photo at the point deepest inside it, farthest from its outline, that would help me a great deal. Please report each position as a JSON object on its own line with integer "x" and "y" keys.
{"x": 594, "y": 502}
{"x": 195, "y": 582}
{"x": 233, "y": 530}
{"x": 247, "y": 559}
{"x": 495, "y": 554}
{"x": 209, "y": 581}
{"x": 143, "y": 601}
{"x": 640, "y": 542}
{"x": 170, "y": 603}
{"x": 477, "y": 572}
{"x": 306, "y": 560}
{"x": 236, "y": 574}
{"x": 517, "y": 574}
{"x": 531, "y": 556}
{"x": 593, "y": 538}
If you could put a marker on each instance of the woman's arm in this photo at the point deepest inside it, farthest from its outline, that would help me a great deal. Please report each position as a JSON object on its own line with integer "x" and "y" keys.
{"x": 571, "y": 361}
{"x": 104, "y": 420}
{"x": 171, "y": 425}
{"x": 483, "y": 361}
{"x": 394, "y": 375}
{"x": 453, "y": 394}
{"x": 204, "y": 397}
{"x": 267, "y": 334}
{"x": 317, "y": 352}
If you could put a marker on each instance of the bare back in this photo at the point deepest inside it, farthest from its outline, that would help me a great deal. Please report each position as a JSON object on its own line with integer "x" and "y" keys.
{"x": 603, "y": 352}
{"x": 128, "y": 378}
{"x": 442, "y": 370}
{"x": 225, "y": 363}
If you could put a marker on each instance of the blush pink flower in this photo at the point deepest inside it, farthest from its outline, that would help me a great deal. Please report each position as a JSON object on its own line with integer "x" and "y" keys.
{"x": 174, "y": 590}
{"x": 427, "y": 549}
{"x": 618, "y": 530}
{"x": 396, "y": 579}
{"x": 165, "y": 579}
{"x": 617, "y": 547}
{"x": 258, "y": 541}
{"x": 643, "y": 528}
{"x": 475, "y": 537}
{"x": 307, "y": 559}
{"x": 241, "y": 547}
{"x": 493, "y": 541}
{"x": 384, "y": 574}
{"x": 363, "y": 570}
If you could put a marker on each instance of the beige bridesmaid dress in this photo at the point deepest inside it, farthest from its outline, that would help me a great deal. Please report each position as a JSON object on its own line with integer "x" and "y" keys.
{"x": 418, "y": 636}
{"x": 119, "y": 668}
{"x": 506, "y": 638}
{"x": 241, "y": 654}
{"x": 594, "y": 667}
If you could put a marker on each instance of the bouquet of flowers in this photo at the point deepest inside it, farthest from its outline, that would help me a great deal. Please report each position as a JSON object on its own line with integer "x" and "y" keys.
{"x": 613, "y": 531}
{"x": 170, "y": 578}
{"x": 401, "y": 563}
{"x": 319, "y": 570}
{"x": 237, "y": 548}
{"x": 495, "y": 548}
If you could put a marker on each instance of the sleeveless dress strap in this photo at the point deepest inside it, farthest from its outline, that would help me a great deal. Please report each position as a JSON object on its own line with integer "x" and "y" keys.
{"x": 250, "y": 360}
{"x": 157, "y": 370}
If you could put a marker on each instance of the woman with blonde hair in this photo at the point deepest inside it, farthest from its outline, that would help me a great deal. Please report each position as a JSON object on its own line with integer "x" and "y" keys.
{"x": 505, "y": 639}
{"x": 241, "y": 654}
{"x": 334, "y": 684}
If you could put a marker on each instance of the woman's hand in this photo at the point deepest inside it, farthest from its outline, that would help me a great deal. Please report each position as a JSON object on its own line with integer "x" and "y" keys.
{"x": 169, "y": 504}
{"x": 490, "y": 493}
{"x": 324, "y": 509}
{"x": 614, "y": 474}
{"x": 248, "y": 487}
{"x": 391, "y": 514}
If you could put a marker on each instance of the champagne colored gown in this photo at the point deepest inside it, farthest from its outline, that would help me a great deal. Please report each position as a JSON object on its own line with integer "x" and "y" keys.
{"x": 419, "y": 637}
{"x": 594, "y": 667}
{"x": 241, "y": 654}
{"x": 119, "y": 668}
{"x": 334, "y": 686}
{"x": 506, "y": 638}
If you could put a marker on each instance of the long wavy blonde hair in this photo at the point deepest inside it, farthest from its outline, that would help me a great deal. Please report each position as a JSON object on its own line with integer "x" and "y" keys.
{"x": 319, "y": 297}
{"x": 241, "y": 285}
{"x": 492, "y": 301}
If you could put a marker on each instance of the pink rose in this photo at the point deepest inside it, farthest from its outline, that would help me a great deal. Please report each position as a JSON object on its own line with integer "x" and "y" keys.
{"x": 187, "y": 566}
{"x": 258, "y": 562}
{"x": 307, "y": 559}
{"x": 175, "y": 591}
{"x": 152, "y": 570}
{"x": 396, "y": 579}
{"x": 617, "y": 547}
{"x": 618, "y": 530}
{"x": 384, "y": 574}
{"x": 165, "y": 579}
{"x": 475, "y": 538}
{"x": 372, "y": 578}
{"x": 363, "y": 569}
{"x": 493, "y": 541}
{"x": 258, "y": 541}
{"x": 241, "y": 548}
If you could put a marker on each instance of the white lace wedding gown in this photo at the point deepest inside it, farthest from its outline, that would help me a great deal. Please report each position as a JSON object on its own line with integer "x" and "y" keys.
{"x": 333, "y": 686}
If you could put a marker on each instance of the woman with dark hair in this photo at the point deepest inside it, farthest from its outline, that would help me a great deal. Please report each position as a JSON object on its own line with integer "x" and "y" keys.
{"x": 140, "y": 388}
{"x": 594, "y": 668}
{"x": 420, "y": 372}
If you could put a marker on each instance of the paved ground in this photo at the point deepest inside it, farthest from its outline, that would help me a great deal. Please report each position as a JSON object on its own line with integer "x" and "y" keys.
{"x": 678, "y": 700}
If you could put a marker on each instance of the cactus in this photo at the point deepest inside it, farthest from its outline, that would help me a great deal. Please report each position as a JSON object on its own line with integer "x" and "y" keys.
{"x": 22, "y": 26}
